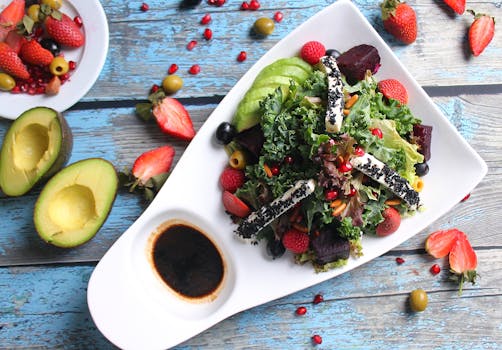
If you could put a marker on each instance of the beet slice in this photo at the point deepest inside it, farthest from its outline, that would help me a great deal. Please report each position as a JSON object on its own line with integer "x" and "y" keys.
{"x": 356, "y": 61}
{"x": 329, "y": 247}
{"x": 251, "y": 139}
{"x": 422, "y": 136}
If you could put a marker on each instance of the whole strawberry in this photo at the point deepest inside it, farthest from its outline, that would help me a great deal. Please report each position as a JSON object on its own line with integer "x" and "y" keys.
{"x": 456, "y": 5}
{"x": 400, "y": 20}
{"x": 64, "y": 30}
{"x": 393, "y": 89}
{"x": 33, "y": 53}
{"x": 11, "y": 63}
{"x": 481, "y": 32}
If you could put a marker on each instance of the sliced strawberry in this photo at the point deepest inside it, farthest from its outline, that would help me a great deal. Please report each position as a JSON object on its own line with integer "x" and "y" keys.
{"x": 153, "y": 163}
{"x": 173, "y": 118}
{"x": 463, "y": 261}
{"x": 15, "y": 40}
{"x": 439, "y": 243}
{"x": 391, "y": 222}
{"x": 64, "y": 30}
{"x": 392, "y": 88}
{"x": 33, "y": 53}
{"x": 11, "y": 63}
{"x": 10, "y": 16}
{"x": 234, "y": 205}
{"x": 481, "y": 32}
{"x": 456, "y": 5}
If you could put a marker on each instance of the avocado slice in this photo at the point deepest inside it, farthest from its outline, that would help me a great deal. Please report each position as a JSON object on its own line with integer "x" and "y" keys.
{"x": 36, "y": 146}
{"x": 75, "y": 203}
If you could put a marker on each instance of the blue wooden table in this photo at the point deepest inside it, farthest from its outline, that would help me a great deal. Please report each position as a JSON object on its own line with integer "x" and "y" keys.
{"x": 43, "y": 289}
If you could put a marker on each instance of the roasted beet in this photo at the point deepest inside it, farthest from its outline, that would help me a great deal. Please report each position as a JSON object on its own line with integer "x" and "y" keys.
{"x": 328, "y": 247}
{"x": 251, "y": 139}
{"x": 422, "y": 136}
{"x": 355, "y": 62}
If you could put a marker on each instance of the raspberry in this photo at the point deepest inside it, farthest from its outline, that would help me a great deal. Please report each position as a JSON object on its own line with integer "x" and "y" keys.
{"x": 231, "y": 179}
{"x": 296, "y": 241}
{"x": 312, "y": 51}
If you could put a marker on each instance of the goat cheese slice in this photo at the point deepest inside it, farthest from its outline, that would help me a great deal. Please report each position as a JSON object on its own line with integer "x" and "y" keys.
{"x": 260, "y": 218}
{"x": 380, "y": 172}
{"x": 334, "y": 110}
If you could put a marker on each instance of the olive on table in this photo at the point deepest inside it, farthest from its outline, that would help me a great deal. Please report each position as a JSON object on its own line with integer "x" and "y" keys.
{"x": 264, "y": 26}
{"x": 7, "y": 82}
{"x": 172, "y": 83}
{"x": 418, "y": 300}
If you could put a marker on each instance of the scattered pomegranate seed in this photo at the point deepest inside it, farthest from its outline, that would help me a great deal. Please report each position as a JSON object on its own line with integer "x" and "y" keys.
{"x": 435, "y": 269}
{"x": 191, "y": 45}
{"x": 359, "y": 151}
{"x": 345, "y": 167}
{"x": 352, "y": 192}
{"x": 278, "y": 16}
{"x": 242, "y": 56}
{"x": 173, "y": 68}
{"x": 78, "y": 21}
{"x": 195, "y": 69}
{"x": 154, "y": 88}
{"x": 400, "y": 260}
{"x": 254, "y": 5}
{"x": 144, "y": 7}
{"x": 72, "y": 65}
{"x": 275, "y": 170}
{"x": 301, "y": 310}
{"x": 208, "y": 34}
{"x": 318, "y": 298}
{"x": 377, "y": 132}
{"x": 331, "y": 195}
{"x": 220, "y": 2}
{"x": 206, "y": 19}
{"x": 244, "y": 6}
{"x": 317, "y": 339}
{"x": 466, "y": 197}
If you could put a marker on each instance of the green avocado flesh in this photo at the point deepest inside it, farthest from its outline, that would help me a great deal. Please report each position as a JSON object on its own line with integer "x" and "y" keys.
{"x": 278, "y": 74}
{"x": 75, "y": 203}
{"x": 37, "y": 145}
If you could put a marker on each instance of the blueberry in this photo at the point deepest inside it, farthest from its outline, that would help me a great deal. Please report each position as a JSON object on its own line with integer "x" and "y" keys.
{"x": 421, "y": 168}
{"x": 225, "y": 133}
{"x": 333, "y": 53}
{"x": 275, "y": 248}
{"x": 51, "y": 45}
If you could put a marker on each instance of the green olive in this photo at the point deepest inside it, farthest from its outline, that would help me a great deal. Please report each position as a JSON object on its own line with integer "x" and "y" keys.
{"x": 237, "y": 160}
{"x": 172, "y": 83}
{"x": 59, "y": 66}
{"x": 7, "y": 82}
{"x": 55, "y": 4}
{"x": 264, "y": 26}
{"x": 418, "y": 300}
{"x": 34, "y": 12}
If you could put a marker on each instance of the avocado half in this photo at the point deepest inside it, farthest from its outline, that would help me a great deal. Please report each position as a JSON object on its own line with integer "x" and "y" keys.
{"x": 36, "y": 146}
{"x": 75, "y": 203}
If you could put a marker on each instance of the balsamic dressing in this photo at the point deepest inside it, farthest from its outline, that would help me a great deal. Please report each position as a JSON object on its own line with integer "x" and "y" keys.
{"x": 187, "y": 261}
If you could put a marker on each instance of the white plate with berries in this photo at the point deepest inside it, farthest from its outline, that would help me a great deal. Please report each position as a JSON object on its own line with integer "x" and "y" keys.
{"x": 58, "y": 59}
{"x": 133, "y": 294}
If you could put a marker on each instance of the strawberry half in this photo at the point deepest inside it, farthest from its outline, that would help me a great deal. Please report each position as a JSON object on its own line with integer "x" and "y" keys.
{"x": 234, "y": 205}
{"x": 393, "y": 89}
{"x": 456, "y": 5}
{"x": 15, "y": 41}
{"x": 149, "y": 171}
{"x": 10, "y": 17}
{"x": 64, "y": 30}
{"x": 463, "y": 261}
{"x": 400, "y": 20}
{"x": 33, "y": 53}
{"x": 11, "y": 63}
{"x": 439, "y": 243}
{"x": 481, "y": 32}
{"x": 173, "y": 118}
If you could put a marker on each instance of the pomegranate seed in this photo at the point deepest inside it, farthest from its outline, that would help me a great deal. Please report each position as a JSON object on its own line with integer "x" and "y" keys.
{"x": 400, "y": 260}
{"x": 211, "y": 2}
{"x": 15, "y": 90}
{"x": 275, "y": 170}
{"x": 191, "y": 45}
{"x": 377, "y": 132}
{"x": 352, "y": 192}
{"x": 317, "y": 339}
{"x": 435, "y": 269}
{"x": 466, "y": 197}
{"x": 331, "y": 195}
{"x": 195, "y": 69}
{"x": 254, "y": 5}
{"x": 242, "y": 56}
{"x": 154, "y": 88}
{"x": 278, "y": 16}
{"x": 208, "y": 34}
{"x": 301, "y": 310}
{"x": 206, "y": 19}
{"x": 144, "y": 7}
{"x": 359, "y": 151}
{"x": 78, "y": 21}
{"x": 244, "y": 6}
{"x": 173, "y": 68}
{"x": 345, "y": 167}
{"x": 288, "y": 160}
{"x": 72, "y": 65}
{"x": 318, "y": 298}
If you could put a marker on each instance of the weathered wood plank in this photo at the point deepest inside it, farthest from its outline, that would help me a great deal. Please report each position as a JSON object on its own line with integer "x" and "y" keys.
{"x": 365, "y": 308}
{"x": 165, "y": 30}
{"x": 120, "y": 137}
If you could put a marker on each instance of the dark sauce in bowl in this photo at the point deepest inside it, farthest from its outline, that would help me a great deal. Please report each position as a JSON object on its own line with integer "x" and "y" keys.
{"x": 187, "y": 261}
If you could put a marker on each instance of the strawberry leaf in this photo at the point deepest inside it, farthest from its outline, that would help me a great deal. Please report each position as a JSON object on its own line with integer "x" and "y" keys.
{"x": 461, "y": 278}
{"x": 144, "y": 110}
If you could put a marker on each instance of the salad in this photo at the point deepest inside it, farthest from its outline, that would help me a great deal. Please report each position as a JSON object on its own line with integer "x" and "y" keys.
{"x": 321, "y": 153}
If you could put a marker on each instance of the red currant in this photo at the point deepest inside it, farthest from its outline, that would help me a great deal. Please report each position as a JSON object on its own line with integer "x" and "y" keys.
{"x": 206, "y": 19}
{"x": 377, "y": 132}
{"x": 242, "y": 56}
{"x": 435, "y": 269}
{"x": 301, "y": 310}
{"x": 195, "y": 69}
{"x": 278, "y": 16}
